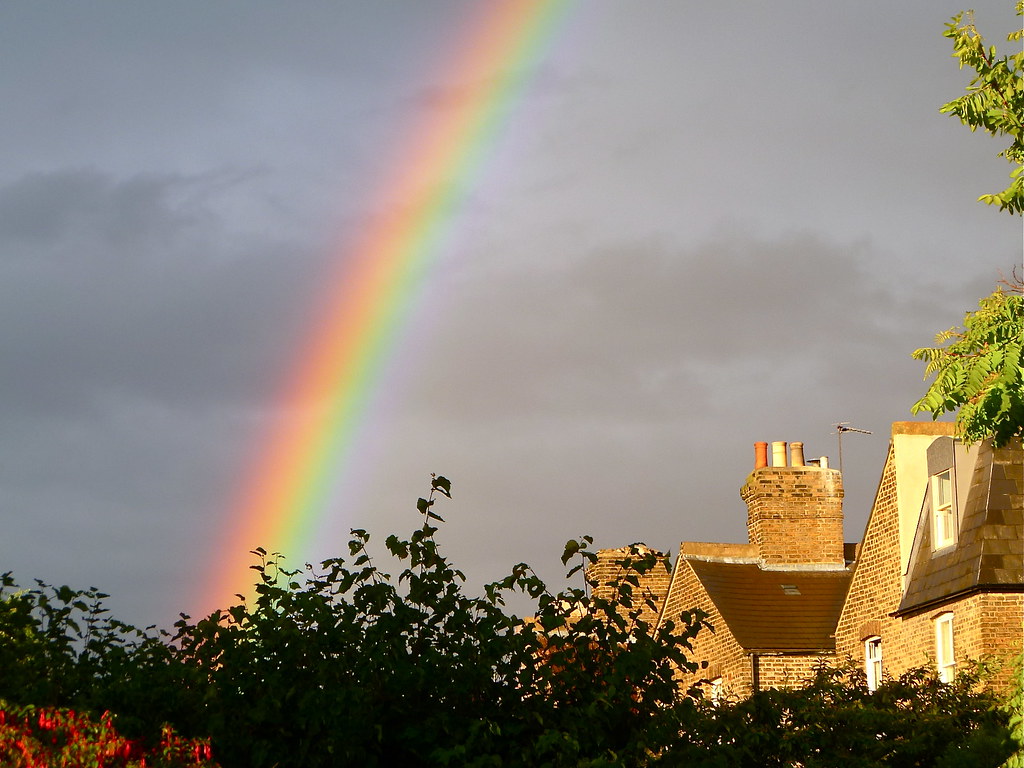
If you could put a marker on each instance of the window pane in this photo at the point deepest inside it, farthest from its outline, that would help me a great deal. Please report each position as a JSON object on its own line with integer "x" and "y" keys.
{"x": 943, "y": 520}
{"x": 942, "y": 489}
{"x": 873, "y": 662}
{"x": 944, "y": 658}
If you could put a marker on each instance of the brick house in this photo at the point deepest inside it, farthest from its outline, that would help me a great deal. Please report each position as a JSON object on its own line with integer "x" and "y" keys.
{"x": 940, "y": 573}
{"x": 773, "y": 602}
{"x": 938, "y": 576}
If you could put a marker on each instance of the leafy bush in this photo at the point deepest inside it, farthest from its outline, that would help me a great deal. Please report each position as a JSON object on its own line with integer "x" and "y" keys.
{"x": 344, "y": 664}
{"x": 834, "y": 721}
{"x": 59, "y": 647}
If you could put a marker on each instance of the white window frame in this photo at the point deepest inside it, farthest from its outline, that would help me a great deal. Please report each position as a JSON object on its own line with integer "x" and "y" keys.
{"x": 945, "y": 660}
{"x": 943, "y": 510}
{"x": 873, "y": 661}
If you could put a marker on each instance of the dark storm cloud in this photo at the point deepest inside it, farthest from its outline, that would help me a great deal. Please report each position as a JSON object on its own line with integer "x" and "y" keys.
{"x": 619, "y": 391}
{"x": 137, "y": 329}
{"x": 700, "y": 227}
{"x": 136, "y": 332}
{"x": 133, "y": 287}
{"x": 659, "y": 320}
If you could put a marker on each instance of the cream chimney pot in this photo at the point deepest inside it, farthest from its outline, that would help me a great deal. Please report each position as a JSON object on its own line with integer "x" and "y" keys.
{"x": 796, "y": 454}
{"x": 779, "y": 454}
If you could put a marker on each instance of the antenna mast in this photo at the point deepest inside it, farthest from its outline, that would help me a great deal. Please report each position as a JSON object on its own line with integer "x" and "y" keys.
{"x": 844, "y": 426}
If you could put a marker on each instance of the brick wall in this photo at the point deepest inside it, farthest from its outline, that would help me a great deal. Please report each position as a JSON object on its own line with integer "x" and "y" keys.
{"x": 876, "y": 586}
{"x": 717, "y": 649}
{"x": 795, "y": 520}
{"x": 795, "y": 515}
{"x": 605, "y": 575}
{"x": 787, "y": 671}
{"x": 986, "y": 625}
{"x": 719, "y": 652}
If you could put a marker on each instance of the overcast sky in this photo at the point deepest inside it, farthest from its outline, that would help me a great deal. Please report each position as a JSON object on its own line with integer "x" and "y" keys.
{"x": 703, "y": 225}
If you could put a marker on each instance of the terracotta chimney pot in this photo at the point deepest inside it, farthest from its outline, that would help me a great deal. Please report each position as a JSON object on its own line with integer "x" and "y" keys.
{"x": 760, "y": 455}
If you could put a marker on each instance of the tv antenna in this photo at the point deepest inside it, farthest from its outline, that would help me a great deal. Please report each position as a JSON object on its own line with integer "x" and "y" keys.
{"x": 841, "y": 427}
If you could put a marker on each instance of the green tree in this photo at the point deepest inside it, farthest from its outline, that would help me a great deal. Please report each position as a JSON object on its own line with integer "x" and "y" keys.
{"x": 978, "y": 372}
{"x": 977, "y": 368}
{"x": 994, "y": 100}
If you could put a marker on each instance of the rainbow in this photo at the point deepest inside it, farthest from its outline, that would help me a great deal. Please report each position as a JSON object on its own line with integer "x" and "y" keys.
{"x": 368, "y": 301}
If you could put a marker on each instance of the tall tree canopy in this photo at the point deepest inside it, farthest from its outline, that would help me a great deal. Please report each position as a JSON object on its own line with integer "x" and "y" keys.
{"x": 977, "y": 368}
{"x": 994, "y": 100}
{"x": 978, "y": 372}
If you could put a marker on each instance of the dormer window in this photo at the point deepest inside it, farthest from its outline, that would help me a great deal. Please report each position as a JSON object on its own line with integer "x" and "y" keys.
{"x": 943, "y": 513}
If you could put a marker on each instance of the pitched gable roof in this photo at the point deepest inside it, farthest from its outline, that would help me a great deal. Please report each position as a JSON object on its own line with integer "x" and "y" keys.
{"x": 773, "y": 610}
{"x": 989, "y": 553}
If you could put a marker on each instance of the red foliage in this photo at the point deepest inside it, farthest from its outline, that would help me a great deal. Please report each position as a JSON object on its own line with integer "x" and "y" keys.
{"x": 46, "y": 737}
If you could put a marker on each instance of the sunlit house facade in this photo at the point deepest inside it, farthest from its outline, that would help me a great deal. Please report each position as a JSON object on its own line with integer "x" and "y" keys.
{"x": 937, "y": 579}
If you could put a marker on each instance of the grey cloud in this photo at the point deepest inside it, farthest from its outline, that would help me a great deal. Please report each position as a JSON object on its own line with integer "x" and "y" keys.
{"x": 132, "y": 285}
{"x": 653, "y": 320}
{"x": 702, "y": 226}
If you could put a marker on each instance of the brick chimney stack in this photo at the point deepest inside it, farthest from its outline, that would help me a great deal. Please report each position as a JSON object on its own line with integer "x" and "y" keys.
{"x": 795, "y": 513}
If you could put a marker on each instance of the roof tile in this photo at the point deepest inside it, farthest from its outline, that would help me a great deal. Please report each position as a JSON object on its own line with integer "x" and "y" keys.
{"x": 762, "y": 615}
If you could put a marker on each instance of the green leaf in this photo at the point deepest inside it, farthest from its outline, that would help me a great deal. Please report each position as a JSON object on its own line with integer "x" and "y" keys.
{"x": 977, "y": 372}
{"x": 442, "y": 485}
{"x": 571, "y": 548}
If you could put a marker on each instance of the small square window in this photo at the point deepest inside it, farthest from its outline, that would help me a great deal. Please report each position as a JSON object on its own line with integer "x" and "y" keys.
{"x": 943, "y": 513}
{"x": 873, "y": 662}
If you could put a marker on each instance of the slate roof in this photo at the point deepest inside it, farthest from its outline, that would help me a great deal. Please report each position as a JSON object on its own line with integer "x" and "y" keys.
{"x": 764, "y": 616}
{"x": 989, "y": 552}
